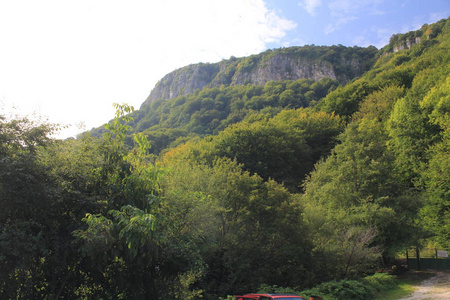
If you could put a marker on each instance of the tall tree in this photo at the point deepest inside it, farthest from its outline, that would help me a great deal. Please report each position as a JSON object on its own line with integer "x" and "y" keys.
{"x": 243, "y": 225}
{"x": 357, "y": 187}
{"x": 436, "y": 210}
{"x": 30, "y": 215}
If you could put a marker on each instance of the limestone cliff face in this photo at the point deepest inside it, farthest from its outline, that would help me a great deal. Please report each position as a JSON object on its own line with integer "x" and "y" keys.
{"x": 184, "y": 81}
{"x": 310, "y": 62}
{"x": 406, "y": 44}
{"x": 285, "y": 67}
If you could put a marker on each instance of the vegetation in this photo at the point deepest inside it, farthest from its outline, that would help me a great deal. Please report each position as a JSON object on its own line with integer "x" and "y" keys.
{"x": 309, "y": 186}
{"x": 365, "y": 288}
{"x": 211, "y": 110}
{"x": 405, "y": 286}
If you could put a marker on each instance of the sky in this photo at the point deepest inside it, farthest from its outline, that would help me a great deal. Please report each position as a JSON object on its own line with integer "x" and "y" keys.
{"x": 67, "y": 62}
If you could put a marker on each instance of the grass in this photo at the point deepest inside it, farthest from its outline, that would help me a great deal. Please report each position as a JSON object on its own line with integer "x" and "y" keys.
{"x": 407, "y": 282}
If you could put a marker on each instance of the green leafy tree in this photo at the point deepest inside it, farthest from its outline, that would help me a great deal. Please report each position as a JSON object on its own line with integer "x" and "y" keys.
{"x": 283, "y": 148}
{"x": 319, "y": 129}
{"x": 356, "y": 187}
{"x": 240, "y": 225}
{"x": 120, "y": 243}
{"x": 34, "y": 239}
{"x": 436, "y": 211}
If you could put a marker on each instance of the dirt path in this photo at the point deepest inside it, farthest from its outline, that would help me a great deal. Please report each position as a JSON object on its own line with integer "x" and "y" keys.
{"x": 435, "y": 288}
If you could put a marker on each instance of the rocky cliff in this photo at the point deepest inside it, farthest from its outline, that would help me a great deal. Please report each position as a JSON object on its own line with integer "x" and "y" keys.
{"x": 407, "y": 44}
{"x": 404, "y": 41}
{"x": 308, "y": 62}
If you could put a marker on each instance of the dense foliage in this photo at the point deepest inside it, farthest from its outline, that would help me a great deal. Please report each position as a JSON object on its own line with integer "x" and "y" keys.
{"x": 236, "y": 188}
{"x": 337, "y": 55}
{"x": 306, "y": 62}
{"x": 211, "y": 110}
{"x": 362, "y": 289}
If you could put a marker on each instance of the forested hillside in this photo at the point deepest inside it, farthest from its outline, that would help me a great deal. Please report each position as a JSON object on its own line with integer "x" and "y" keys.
{"x": 307, "y": 62}
{"x": 238, "y": 186}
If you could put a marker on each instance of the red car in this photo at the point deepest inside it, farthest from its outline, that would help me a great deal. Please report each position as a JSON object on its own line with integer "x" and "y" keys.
{"x": 269, "y": 297}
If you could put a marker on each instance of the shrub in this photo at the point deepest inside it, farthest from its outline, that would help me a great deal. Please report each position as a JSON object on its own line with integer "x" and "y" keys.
{"x": 363, "y": 289}
{"x": 264, "y": 288}
{"x": 343, "y": 289}
{"x": 380, "y": 281}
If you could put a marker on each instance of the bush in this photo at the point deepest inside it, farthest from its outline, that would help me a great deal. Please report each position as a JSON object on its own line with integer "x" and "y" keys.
{"x": 343, "y": 289}
{"x": 274, "y": 289}
{"x": 363, "y": 289}
{"x": 380, "y": 282}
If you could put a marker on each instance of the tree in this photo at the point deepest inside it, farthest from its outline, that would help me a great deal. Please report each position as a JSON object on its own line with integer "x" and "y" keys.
{"x": 120, "y": 245}
{"x": 436, "y": 211}
{"x": 33, "y": 226}
{"x": 357, "y": 186}
{"x": 319, "y": 129}
{"x": 240, "y": 225}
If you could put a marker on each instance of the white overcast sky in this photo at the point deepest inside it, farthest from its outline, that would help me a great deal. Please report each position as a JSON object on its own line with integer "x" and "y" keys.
{"x": 69, "y": 61}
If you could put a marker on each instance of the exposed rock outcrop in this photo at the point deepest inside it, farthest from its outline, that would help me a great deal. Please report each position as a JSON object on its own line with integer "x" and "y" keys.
{"x": 184, "y": 81}
{"x": 406, "y": 44}
{"x": 309, "y": 62}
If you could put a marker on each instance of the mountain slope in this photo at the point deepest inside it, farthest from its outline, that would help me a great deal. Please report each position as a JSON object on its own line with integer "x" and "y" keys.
{"x": 308, "y": 62}
{"x": 207, "y": 98}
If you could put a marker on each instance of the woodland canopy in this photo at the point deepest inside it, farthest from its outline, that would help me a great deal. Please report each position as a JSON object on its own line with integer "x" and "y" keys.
{"x": 234, "y": 188}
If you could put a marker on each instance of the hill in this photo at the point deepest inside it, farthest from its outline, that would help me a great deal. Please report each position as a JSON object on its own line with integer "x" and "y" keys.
{"x": 234, "y": 188}
{"x": 206, "y": 98}
{"x": 308, "y": 62}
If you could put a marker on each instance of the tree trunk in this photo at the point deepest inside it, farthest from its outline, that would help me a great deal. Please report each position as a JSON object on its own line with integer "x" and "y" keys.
{"x": 418, "y": 258}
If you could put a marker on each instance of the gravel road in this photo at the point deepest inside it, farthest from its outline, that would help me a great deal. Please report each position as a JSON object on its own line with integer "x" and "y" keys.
{"x": 434, "y": 288}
